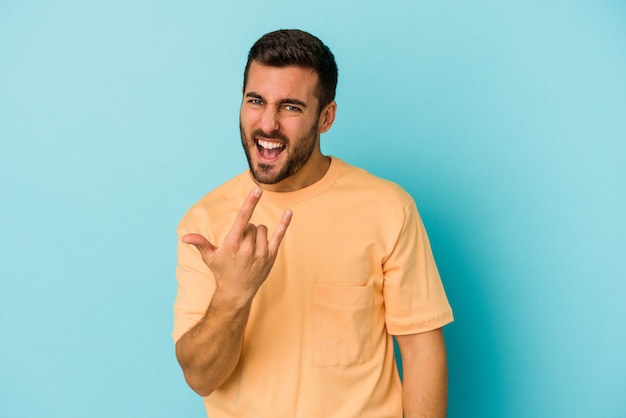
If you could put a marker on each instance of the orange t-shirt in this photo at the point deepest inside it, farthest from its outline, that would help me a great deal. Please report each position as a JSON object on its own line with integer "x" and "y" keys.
{"x": 354, "y": 268}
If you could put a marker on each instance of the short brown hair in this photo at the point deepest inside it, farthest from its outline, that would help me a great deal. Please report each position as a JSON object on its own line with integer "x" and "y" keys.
{"x": 287, "y": 47}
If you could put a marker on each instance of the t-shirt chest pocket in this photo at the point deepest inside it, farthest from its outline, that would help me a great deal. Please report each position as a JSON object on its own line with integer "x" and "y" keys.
{"x": 342, "y": 324}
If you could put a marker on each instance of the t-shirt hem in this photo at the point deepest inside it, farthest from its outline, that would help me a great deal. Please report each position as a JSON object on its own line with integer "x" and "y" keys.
{"x": 433, "y": 324}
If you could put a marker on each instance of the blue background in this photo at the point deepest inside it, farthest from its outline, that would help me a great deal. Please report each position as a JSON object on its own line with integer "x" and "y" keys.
{"x": 505, "y": 120}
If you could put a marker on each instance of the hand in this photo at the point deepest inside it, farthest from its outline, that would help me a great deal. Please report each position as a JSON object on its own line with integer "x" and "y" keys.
{"x": 245, "y": 258}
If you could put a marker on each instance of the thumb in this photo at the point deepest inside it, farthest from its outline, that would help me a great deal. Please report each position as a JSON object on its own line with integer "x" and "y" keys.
{"x": 202, "y": 244}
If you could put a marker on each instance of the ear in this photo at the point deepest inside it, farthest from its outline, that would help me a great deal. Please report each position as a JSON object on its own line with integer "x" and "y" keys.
{"x": 327, "y": 117}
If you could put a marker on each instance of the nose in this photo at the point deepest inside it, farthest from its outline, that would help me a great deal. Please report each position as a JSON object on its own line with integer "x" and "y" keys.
{"x": 269, "y": 119}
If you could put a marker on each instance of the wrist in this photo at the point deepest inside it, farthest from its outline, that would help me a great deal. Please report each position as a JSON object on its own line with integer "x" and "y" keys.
{"x": 232, "y": 300}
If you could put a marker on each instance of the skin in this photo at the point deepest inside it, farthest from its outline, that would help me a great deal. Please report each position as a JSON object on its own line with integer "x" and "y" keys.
{"x": 425, "y": 374}
{"x": 279, "y": 106}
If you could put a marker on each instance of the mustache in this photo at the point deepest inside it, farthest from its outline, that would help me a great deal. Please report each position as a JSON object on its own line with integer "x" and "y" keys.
{"x": 277, "y": 135}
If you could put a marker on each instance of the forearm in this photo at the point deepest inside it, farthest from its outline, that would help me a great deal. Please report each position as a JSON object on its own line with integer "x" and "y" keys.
{"x": 426, "y": 395}
{"x": 425, "y": 377}
{"x": 210, "y": 351}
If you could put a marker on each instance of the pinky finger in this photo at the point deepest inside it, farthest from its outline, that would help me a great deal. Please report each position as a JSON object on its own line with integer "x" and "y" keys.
{"x": 280, "y": 231}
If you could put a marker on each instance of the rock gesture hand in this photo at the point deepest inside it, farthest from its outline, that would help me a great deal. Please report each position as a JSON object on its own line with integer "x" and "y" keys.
{"x": 244, "y": 260}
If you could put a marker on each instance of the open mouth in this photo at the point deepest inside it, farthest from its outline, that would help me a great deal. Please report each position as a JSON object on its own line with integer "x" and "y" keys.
{"x": 269, "y": 150}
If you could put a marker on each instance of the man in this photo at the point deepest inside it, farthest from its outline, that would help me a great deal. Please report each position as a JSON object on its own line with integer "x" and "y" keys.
{"x": 298, "y": 321}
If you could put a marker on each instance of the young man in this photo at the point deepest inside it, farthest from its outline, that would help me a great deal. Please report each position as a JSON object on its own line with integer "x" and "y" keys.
{"x": 298, "y": 321}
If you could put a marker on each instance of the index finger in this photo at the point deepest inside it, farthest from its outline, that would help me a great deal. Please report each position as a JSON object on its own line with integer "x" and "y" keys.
{"x": 245, "y": 212}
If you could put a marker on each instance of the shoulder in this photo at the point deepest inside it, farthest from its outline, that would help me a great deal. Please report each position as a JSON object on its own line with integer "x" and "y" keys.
{"x": 219, "y": 201}
{"x": 360, "y": 182}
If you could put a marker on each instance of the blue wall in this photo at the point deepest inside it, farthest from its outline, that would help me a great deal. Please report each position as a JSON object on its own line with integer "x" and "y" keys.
{"x": 506, "y": 121}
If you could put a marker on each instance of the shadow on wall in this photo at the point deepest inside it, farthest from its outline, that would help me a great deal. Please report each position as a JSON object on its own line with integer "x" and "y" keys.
{"x": 480, "y": 372}
{"x": 479, "y": 379}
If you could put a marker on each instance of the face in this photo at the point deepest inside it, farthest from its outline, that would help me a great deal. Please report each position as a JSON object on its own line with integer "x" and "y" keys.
{"x": 280, "y": 126}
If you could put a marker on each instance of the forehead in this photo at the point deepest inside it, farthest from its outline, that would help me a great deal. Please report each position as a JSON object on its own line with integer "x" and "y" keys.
{"x": 275, "y": 83}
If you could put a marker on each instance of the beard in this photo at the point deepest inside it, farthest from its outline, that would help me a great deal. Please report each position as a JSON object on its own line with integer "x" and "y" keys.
{"x": 299, "y": 152}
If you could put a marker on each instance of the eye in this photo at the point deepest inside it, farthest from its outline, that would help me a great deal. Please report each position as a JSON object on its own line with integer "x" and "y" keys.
{"x": 292, "y": 108}
{"x": 255, "y": 102}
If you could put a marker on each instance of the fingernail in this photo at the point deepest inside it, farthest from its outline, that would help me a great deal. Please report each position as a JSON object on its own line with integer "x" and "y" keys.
{"x": 257, "y": 192}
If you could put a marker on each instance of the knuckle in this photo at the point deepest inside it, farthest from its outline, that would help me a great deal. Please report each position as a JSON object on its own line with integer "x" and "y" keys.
{"x": 247, "y": 247}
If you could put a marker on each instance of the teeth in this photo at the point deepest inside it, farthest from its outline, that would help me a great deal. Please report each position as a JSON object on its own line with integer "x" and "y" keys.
{"x": 269, "y": 144}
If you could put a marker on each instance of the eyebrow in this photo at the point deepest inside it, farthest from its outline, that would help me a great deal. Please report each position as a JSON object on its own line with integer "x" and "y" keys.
{"x": 284, "y": 101}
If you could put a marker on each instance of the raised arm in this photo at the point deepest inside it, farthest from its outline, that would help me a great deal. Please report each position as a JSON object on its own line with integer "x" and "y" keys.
{"x": 209, "y": 352}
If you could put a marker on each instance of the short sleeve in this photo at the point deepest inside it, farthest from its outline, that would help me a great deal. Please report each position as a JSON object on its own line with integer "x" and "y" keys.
{"x": 415, "y": 300}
